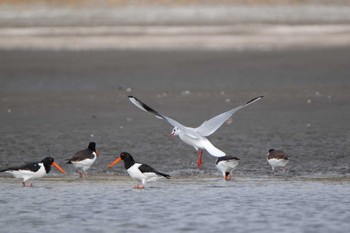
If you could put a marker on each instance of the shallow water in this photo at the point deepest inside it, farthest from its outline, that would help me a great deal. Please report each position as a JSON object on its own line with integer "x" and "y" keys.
{"x": 194, "y": 204}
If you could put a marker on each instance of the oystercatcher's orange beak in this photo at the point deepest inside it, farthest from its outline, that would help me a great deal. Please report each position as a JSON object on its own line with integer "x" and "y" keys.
{"x": 115, "y": 162}
{"x": 97, "y": 153}
{"x": 58, "y": 167}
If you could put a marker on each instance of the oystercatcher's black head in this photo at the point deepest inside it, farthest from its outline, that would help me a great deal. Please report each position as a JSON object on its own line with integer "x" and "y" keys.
{"x": 271, "y": 150}
{"x": 48, "y": 161}
{"x": 126, "y": 157}
{"x": 92, "y": 146}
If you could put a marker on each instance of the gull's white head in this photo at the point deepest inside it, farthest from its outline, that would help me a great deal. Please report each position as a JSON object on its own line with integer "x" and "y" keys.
{"x": 175, "y": 131}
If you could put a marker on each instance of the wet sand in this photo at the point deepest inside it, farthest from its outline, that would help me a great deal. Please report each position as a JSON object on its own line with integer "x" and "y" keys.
{"x": 54, "y": 103}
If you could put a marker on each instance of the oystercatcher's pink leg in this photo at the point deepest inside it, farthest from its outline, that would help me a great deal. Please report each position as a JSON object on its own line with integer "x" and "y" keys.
{"x": 284, "y": 170}
{"x": 23, "y": 184}
{"x": 81, "y": 174}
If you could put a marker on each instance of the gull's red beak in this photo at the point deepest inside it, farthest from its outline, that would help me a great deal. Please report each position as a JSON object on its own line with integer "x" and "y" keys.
{"x": 114, "y": 162}
{"x": 171, "y": 135}
{"x": 58, "y": 167}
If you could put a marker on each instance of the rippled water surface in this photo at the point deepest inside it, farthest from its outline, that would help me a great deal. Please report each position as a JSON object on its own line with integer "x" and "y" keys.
{"x": 108, "y": 204}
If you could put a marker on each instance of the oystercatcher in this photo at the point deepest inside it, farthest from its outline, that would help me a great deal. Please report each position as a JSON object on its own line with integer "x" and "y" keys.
{"x": 226, "y": 165}
{"x": 277, "y": 158}
{"x": 33, "y": 171}
{"x": 196, "y": 137}
{"x": 82, "y": 160}
{"x": 143, "y": 173}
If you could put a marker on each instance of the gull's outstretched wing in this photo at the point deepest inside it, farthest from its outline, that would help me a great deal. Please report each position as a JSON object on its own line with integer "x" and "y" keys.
{"x": 210, "y": 126}
{"x": 188, "y": 131}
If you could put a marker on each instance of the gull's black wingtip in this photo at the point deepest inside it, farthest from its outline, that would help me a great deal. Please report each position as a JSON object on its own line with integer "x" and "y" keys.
{"x": 255, "y": 99}
{"x": 131, "y": 98}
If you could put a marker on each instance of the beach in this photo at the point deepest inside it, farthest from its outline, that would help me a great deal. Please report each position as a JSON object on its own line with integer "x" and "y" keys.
{"x": 65, "y": 82}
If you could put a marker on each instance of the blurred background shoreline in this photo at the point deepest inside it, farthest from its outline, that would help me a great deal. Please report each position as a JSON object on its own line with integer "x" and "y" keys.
{"x": 151, "y": 24}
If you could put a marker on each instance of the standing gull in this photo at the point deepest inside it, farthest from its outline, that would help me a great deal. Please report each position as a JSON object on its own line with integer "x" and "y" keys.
{"x": 196, "y": 137}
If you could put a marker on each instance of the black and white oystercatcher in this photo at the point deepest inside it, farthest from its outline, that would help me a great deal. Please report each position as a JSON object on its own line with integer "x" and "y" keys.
{"x": 143, "y": 173}
{"x": 226, "y": 165}
{"x": 196, "y": 137}
{"x": 277, "y": 158}
{"x": 33, "y": 171}
{"x": 82, "y": 160}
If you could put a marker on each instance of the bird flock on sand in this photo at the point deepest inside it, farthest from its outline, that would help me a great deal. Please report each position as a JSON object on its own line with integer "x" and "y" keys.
{"x": 143, "y": 173}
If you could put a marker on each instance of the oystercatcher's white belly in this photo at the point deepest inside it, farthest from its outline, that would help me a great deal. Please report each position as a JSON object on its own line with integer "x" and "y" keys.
{"x": 29, "y": 175}
{"x": 277, "y": 162}
{"x": 84, "y": 164}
